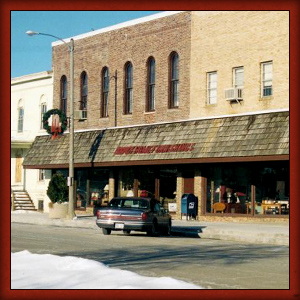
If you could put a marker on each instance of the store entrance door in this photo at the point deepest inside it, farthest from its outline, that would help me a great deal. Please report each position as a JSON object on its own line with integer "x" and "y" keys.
{"x": 18, "y": 175}
{"x": 188, "y": 185}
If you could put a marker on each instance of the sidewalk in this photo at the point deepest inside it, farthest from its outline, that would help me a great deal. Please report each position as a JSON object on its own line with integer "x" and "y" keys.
{"x": 256, "y": 233}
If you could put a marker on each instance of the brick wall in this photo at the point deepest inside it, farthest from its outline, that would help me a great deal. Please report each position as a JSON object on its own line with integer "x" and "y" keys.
{"x": 157, "y": 38}
{"x": 222, "y": 41}
{"x": 205, "y": 42}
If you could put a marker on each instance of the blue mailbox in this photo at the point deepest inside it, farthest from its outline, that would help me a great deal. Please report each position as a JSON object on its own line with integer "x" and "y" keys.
{"x": 189, "y": 205}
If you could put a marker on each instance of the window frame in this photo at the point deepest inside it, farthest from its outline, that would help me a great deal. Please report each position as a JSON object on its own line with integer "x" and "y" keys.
{"x": 105, "y": 92}
{"x": 41, "y": 175}
{"x": 234, "y": 84}
{"x": 84, "y": 93}
{"x": 128, "y": 91}
{"x": 63, "y": 94}
{"x": 150, "y": 102}
{"x": 20, "y": 119}
{"x": 43, "y": 111}
{"x": 264, "y": 87}
{"x": 174, "y": 80}
{"x": 209, "y": 89}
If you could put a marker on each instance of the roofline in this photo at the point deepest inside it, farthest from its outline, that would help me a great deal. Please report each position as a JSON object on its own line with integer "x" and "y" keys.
{"x": 186, "y": 120}
{"x": 32, "y": 77}
{"x": 195, "y": 119}
{"x": 119, "y": 26}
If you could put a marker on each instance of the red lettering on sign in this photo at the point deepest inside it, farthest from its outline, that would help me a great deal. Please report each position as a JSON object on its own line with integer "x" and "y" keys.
{"x": 187, "y": 147}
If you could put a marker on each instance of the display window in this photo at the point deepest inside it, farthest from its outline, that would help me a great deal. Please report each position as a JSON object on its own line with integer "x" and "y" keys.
{"x": 237, "y": 188}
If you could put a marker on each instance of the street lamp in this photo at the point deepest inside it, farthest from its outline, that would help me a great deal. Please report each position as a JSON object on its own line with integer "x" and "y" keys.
{"x": 71, "y": 213}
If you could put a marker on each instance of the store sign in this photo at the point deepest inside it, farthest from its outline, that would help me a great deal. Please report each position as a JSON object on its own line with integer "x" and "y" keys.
{"x": 187, "y": 147}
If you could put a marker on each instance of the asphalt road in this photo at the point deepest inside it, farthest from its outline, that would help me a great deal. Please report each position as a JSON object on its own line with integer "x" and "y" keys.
{"x": 212, "y": 264}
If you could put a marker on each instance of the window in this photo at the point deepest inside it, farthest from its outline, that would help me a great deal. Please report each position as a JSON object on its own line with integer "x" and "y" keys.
{"x": 41, "y": 174}
{"x": 20, "y": 119}
{"x": 105, "y": 93}
{"x": 267, "y": 76}
{"x": 63, "y": 94}
{"x": 212, "y": 88}
{"x": 128, "y": 88}
{"x": 238, "y": 77}
{"x": 174, "y": 80}
{"x": 43, "y": 111}
{"x": 84, "y": 94}
{"x": 151, "y": 85}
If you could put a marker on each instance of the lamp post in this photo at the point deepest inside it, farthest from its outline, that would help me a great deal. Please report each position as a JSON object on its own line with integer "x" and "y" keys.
{"x": 71, "y": 213}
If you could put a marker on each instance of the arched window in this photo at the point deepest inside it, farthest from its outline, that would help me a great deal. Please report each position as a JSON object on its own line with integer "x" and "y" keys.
{"x": 174, "y": 80}
{"x": 63, "y": 94}
{"x": 150, "y": 105}
{"x": 84, "y": 94}
{"x": 105, "y": 92}
{"x": 20, "y": 119}
{"x": 43, "y": 107}
{"x": 128, "y": 101}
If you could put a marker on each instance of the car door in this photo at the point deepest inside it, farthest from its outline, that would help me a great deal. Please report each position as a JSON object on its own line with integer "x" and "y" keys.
{"x": 160, "y": 213}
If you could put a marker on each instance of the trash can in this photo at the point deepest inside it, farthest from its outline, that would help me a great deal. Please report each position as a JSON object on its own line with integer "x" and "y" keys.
{"x": 189, "y": 206}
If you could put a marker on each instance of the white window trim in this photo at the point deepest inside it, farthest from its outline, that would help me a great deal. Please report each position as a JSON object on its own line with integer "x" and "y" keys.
{"x": 234, "y": 77}
{"x": 19, "y": 119}
{"x": 263, "y": 81}
{"x": 44, "y": 104}
{"x": 41, "y": 175}
{"x": 208, "y": 89}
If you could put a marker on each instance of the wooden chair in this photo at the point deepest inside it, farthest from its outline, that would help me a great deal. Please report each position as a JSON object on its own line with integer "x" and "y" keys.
{"x": 218, "y": 207}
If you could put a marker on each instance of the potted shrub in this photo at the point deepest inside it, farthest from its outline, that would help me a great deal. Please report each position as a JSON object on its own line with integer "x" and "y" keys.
{"x": 58, "y": 194}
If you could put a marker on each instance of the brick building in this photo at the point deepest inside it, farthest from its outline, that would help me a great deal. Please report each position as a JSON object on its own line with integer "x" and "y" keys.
{"x": 179, "y": 102}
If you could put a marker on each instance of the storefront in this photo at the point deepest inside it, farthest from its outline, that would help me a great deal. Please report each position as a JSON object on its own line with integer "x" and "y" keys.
{"x": 237, "y": 166}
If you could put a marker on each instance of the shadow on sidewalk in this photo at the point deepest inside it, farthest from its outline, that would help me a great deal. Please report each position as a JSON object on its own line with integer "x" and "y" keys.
{"x": 187, "y": 231}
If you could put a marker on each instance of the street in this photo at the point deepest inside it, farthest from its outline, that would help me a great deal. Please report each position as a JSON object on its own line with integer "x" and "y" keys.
{"x": 208, "y": 263}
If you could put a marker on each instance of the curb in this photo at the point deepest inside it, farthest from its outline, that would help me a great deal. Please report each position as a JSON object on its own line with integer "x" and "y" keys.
{"x": 252, "y": 233}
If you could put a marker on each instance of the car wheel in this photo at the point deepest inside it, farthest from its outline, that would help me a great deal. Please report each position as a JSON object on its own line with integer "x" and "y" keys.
{"x": 153, "y": 229}
{"x": 106, "y": 231}
{"x": 126, "y": 232}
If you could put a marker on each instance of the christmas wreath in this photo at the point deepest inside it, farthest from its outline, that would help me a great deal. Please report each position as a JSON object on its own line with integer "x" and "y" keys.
{"x": 62, "y": 119}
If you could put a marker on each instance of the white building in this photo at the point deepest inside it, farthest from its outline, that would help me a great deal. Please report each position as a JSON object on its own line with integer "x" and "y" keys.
{"x": 31, "y": 96}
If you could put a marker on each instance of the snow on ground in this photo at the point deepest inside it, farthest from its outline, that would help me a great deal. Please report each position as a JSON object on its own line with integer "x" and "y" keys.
{"x": 47, "y": 271}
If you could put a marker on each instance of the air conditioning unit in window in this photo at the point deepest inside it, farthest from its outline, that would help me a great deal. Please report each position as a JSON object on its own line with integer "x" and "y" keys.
{"x": 80, "y": 114}
{"x": 234, "y": 94}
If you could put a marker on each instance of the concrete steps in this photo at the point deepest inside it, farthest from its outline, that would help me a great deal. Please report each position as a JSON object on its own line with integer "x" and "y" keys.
{"x": 22, "y": 201}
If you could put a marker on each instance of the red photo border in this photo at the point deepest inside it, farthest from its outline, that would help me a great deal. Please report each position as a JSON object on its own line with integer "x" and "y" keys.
{"x": 292, "y": 6}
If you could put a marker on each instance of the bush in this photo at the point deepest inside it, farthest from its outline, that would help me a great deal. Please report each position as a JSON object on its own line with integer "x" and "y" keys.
{"x": 58, "y": 189}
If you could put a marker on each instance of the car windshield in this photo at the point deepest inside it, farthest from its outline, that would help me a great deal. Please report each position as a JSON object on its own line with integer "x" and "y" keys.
{"x": 129, "y": 203}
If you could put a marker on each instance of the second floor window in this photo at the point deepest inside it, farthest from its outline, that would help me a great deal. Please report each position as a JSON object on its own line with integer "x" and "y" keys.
{"x": 150, "y": 105}
{"x": 212, "y": 88}
{"x": 43, "y": 111}
{"x": 63, "y": 94}
{"x": 267, "y": 78}
{"x": 84, "y": 94}
{"x": 105, "y": 93}
{"x": 238, "y": 77}
{"x": 20, "y": 119}
{"x": 174, "y": 80}
{"x": 128, "y": 103}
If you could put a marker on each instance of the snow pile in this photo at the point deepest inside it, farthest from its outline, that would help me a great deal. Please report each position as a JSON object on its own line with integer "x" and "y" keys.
{"x": 46, "y": 271}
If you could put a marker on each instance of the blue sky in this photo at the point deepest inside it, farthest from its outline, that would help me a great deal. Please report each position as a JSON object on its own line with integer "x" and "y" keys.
{"x": 33, "y": 54}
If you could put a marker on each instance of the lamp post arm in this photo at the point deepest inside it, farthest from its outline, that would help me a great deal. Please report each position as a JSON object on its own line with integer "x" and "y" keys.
{"x": 56, "y": 37}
